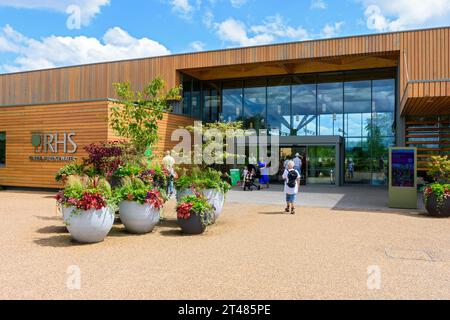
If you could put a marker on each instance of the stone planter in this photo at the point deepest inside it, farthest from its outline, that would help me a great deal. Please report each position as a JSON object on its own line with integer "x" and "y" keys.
{"x": 214, "y": 197}
{"x": 89, "y": 226}
{"x": 139, "y": 218}
{"x": 432, "y": 207}
{"x": 193, "y": 225}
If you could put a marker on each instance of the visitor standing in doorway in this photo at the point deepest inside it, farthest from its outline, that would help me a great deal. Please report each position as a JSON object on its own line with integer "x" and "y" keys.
{"x": 291, "y": 178}
{"x": 168, "y": 164}
{"x": 298, "y": 163}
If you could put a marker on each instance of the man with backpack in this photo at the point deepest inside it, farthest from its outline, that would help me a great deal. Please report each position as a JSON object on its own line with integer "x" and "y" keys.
{"x": 291, "y": 177}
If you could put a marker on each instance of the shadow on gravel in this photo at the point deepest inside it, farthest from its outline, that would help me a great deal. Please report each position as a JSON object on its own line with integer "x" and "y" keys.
{"x": 61, "y": 241}
{"x": 416, "y": 215}
{"x": 172, "y": 233}
{"x": 53, "y": 230}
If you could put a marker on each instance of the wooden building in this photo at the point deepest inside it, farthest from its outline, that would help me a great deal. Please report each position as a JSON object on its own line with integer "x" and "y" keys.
{"x": 75, "y": 100}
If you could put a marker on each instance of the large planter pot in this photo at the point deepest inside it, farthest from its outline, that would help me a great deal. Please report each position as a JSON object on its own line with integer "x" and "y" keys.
{"x": 214, "y": 198}
{"x": 192, "y": 225}
{"x": 89, "y": 226}
{"x": 139, "y": 218}
{"x": 217, "y": 200}
{"x": 433, "y": 210}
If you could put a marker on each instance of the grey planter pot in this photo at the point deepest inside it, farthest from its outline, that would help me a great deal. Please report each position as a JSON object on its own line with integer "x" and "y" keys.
{"x": 90, "y": 226}
{"x": 192, "y": 225}
{"x": 138, "y": 218}
{"x": 214, "y": 197}
{"x": 432, "y": 207}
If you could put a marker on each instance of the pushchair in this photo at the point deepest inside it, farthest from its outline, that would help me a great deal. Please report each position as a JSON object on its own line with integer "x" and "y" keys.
{"x": 249, "y": 180}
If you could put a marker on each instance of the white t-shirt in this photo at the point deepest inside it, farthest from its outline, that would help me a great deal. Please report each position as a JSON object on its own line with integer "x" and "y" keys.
{"x": 287, "y": 189}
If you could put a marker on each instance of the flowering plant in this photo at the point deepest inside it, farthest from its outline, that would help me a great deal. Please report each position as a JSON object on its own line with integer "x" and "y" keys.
{"x": 85, "y": 194}
{"x": 202, "y": 179}
{"x": 134, "y": 189}
{"x": 195, "y": 205}
{"x": 107, "y": 157}
{"x": 439, "y": 170}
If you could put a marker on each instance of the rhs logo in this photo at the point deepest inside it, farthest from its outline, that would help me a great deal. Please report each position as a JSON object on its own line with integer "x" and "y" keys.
{"x": 53, "y": 143}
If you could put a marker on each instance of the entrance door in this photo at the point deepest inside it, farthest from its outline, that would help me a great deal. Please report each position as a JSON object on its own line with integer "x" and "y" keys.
{"x": 289, "y": 153}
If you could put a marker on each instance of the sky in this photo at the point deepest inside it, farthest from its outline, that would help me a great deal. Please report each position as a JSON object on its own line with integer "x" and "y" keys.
{"x": 39, "y": 34}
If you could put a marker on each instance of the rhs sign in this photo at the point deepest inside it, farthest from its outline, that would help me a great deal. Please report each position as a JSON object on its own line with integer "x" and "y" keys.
{"x": 52, "y": 144}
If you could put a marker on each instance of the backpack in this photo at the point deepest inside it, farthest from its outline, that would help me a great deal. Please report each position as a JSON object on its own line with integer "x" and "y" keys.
{"x": 292, "y": 178}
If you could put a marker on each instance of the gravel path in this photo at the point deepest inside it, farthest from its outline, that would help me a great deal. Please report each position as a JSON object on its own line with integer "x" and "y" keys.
{"x": 254, "y": 252}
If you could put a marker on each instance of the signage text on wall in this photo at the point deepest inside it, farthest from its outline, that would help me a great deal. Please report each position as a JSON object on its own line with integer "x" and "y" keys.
{"x": 53, "y": 143}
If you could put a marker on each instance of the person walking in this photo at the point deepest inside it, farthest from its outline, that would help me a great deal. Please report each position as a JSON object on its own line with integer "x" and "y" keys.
{"x": 291, "y": 177}
{"x": 168, "y": 163}
{"x": 297, "y": 163}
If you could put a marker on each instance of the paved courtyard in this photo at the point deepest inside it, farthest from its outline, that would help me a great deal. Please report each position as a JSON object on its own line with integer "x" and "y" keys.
{"x": 254, "y": 252}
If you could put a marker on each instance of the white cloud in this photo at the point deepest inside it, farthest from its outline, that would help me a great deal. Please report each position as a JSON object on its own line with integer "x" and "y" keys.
{"x": 318, "y": 4}
{"x": 390, "y": 15}
{"x": 56, "y": 51}
{"x": 238, "y": 3}
{"x": 332, "y": 30}
{"x": 183, "y": 8}
{"x": 272, "y": 28}
{"x": 88, "y": 8}
{"x": 197, "y": 46}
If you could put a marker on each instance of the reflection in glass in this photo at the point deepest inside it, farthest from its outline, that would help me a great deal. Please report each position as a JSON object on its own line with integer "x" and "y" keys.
{"x": 187, "y": 97}
{"x": 255, "y": 104}
{"x": 321, "y": 165}
{"x": 279, "y": 106}
{"x": 330, "y": 106}
{"x": 211, "y": 101}
{"x": 196, "y": 100}
{"x": 232, "y": 101}
{"x": 304, "y": 110}
{"x": 357, "y": 161}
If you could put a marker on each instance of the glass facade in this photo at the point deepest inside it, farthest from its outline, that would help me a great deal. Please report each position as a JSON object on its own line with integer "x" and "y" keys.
{"x": 359, "y": 106}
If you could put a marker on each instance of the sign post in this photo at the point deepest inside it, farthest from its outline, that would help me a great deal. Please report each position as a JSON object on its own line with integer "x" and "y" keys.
{"x": 403, "y": 178}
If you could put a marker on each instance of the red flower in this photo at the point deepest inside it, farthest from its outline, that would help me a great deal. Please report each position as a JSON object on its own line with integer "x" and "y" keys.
{"x": 184, "y": 210}
{"x": 155, "y": 199}
{"x": 130, "y": 197}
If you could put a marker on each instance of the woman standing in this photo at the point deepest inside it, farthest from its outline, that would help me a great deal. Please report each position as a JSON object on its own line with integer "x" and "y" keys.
{"x": 264, "y": 169}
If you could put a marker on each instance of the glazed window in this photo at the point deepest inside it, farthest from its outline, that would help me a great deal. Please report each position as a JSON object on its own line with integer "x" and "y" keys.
{"x": 2, "y": 149}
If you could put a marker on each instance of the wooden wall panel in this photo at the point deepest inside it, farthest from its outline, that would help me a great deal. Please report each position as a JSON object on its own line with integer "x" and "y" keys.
{"x": 88, "y": 120}
{"x": 424, "y": 52}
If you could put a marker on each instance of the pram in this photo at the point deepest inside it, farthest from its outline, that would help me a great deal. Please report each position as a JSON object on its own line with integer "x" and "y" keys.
{"x": 249, "y": 182}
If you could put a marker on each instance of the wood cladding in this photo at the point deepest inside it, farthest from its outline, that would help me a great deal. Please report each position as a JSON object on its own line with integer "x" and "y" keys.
{"x": 431, "y": 137}
{"x": 89, "y": 121}
{"x": 422, "y": 55}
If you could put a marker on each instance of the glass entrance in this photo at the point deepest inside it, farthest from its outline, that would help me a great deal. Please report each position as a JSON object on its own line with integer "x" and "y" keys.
{"x": 321, "y": 165}
{"x": 318, "y": 163}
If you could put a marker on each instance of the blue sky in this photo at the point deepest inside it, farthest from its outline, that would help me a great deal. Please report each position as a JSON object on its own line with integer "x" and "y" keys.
{"x": 36, "y": 34}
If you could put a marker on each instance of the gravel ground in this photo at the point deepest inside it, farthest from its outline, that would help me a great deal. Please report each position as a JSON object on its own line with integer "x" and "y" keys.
{"x": 254, "y": 252}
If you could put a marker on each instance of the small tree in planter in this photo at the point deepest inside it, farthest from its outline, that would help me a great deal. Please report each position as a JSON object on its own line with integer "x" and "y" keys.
{"x": 437, "y": 194}
{"x": 194, "y": 213}
{"x": 140, "y": 205}
{"x": 88, "y": 208}
{"x": 137, "y": 114}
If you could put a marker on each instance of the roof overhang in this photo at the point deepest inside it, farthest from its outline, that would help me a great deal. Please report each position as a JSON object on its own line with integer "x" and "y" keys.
{"x": 426, "y": 97}
{"x": 288, "y": 67}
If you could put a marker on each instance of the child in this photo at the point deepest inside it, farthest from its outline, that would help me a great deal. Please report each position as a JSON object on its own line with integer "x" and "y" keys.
{"x": 292, "y": 182}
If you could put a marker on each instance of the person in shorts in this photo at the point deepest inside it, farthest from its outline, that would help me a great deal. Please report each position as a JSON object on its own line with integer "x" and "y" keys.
{"x": 291, "y": 178}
